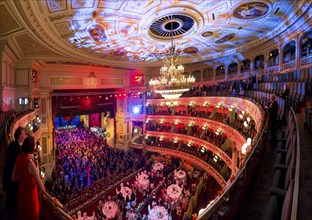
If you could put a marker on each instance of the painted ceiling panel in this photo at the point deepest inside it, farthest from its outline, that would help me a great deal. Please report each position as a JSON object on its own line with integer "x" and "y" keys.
{"x": 140, "y": 31}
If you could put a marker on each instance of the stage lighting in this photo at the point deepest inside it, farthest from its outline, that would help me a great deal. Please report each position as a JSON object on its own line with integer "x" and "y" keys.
{"x": 136, "y": 109}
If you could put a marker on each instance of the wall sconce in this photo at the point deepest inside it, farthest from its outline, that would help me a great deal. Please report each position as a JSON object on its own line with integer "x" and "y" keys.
{"x": 215, "y": 158}
{"x": 248, "y": 142}
{"x": 218, "y": 132}
{"x": 244, "y": 148}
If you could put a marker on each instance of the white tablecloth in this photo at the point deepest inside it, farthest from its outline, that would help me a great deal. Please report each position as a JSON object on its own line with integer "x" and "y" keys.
{"x": 125, "y": 191}
{"x": 110, "y": 209}
{"x": 181, "y": 175}
{"x": 143, "y": 180}
{"x": 174, "y": 192}
{"x": 158, "y": 166}
{"x": 159, "y": 213}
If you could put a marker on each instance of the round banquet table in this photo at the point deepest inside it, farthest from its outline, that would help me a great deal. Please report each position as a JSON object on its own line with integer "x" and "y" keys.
{"x": 158, "y": 166}
{"x": 181, "y": 175}
{"x": 110, "y": 209}
{"x": 125, "y": 191}
{"x": 174, "y": 192}
{"x": 143, "y": 180}
{"x": 158, "y": 213}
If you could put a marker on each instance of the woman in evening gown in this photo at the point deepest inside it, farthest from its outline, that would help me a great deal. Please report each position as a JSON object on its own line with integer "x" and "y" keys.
{"x": 26, "y": 173}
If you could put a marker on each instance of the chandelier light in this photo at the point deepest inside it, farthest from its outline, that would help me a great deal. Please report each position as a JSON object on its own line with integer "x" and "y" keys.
{"x": 171, "y": 83}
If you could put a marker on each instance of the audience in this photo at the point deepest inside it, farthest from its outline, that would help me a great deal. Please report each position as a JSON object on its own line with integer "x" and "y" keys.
{"x": 83, "y": 158}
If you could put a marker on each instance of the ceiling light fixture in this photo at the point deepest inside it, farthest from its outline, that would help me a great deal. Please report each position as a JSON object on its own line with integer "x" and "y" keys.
{"x": 171, "y": 83}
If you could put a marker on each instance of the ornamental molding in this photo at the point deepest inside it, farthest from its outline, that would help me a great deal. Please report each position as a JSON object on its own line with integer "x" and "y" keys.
{"x": 40, "y": 31}
{"x": 233, "y": 134}
{"x": 200, "y": 142}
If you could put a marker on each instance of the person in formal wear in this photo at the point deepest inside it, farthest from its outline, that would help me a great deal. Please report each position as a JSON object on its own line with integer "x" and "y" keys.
{"x": 26, "y": 173}
{"x": 11, "y": 187}
{"x": 285, "y": 92}
{"x": 272, "y": 110}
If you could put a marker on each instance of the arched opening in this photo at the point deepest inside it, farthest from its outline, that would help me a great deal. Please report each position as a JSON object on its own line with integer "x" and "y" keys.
{"x": 245, "y": 65}
{"x": 232, "y": 69}
{"x": 306, "y": 48}
{"x": 220, "y": 72}
{"x": 289, "y": 52}
{"x": 273, "y": 58}
{"x": 208, "y": 74}
{"x": 197, "y": 75}
{"x": 259, "y": 62}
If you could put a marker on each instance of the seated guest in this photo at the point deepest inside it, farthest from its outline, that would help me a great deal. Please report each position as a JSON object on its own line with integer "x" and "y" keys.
{"x": 120, "y": 197}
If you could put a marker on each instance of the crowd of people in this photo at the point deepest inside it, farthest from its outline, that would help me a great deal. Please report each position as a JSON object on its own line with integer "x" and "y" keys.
{"x": 140, "y": 199}
{"x": 83, "y": 158}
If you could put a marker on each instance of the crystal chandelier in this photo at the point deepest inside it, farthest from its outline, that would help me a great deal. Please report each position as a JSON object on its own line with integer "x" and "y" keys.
{"x": 171, "y": 83}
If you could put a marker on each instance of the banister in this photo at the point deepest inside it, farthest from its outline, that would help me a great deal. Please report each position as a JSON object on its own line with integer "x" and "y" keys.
{"x": 209, "y": 146}
{"x": 294, "y": 208}
{"x": 217, "y": 203}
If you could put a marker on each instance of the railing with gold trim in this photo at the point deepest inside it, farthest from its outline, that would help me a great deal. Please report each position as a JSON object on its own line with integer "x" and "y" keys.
{"x": 185, "y": 138}
{"x": 231, "y": 132}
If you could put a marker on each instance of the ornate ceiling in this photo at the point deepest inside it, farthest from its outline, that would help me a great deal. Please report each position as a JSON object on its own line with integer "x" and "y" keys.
{"x": 137, "y": 32}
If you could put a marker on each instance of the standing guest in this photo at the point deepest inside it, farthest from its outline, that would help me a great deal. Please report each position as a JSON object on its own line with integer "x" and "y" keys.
{"x": 272, "y": 109}
{"x": 26, "y": 173}
{"x": 11, "y": 187}
{"x": 285, "y": 92}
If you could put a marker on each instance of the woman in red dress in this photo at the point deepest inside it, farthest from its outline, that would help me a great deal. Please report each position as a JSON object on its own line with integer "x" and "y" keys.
{"x": 26, "y": 173}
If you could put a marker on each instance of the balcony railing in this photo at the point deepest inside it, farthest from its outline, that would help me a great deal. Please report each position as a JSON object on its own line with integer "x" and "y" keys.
{"x": 273, "y": 69}
{"x": 306, "y": 60}
{"x": 289, "y": 65}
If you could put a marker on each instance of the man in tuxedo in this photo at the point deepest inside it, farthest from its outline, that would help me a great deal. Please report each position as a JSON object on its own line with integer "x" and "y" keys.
{"x": 272, "y": 110}
{"x": 11, "y": 187}
{"x": 285, "y": 92}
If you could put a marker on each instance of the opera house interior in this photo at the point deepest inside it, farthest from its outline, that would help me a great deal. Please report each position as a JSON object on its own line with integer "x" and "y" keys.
{"x": 155, "y": 109}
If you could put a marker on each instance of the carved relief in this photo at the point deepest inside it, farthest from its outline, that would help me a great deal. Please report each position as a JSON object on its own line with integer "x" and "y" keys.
{"x": 60, "y": 81}
{"x": 56, "y": 5}
{"x": 112, "y": 82}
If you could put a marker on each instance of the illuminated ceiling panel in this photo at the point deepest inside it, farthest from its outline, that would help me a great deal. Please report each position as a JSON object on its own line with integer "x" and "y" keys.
{"x": 137, "y": 32}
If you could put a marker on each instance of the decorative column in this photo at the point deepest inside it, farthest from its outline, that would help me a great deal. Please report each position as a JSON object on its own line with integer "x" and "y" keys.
{"x": 266, "y": 65}
{"x": 239, "y": 64}
{"x": 121, "y": 124}
{"x": 226, "y": 71}
{"x": 214, "y": 73}
{"x": 297, "y": 59}
{"x": 252, "y": 65}
{"x": 280, "y": 57}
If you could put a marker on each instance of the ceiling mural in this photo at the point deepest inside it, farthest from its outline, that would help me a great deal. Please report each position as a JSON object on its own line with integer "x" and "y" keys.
{"x": 138, "y": 32}
{"x": 251, "y": 10}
